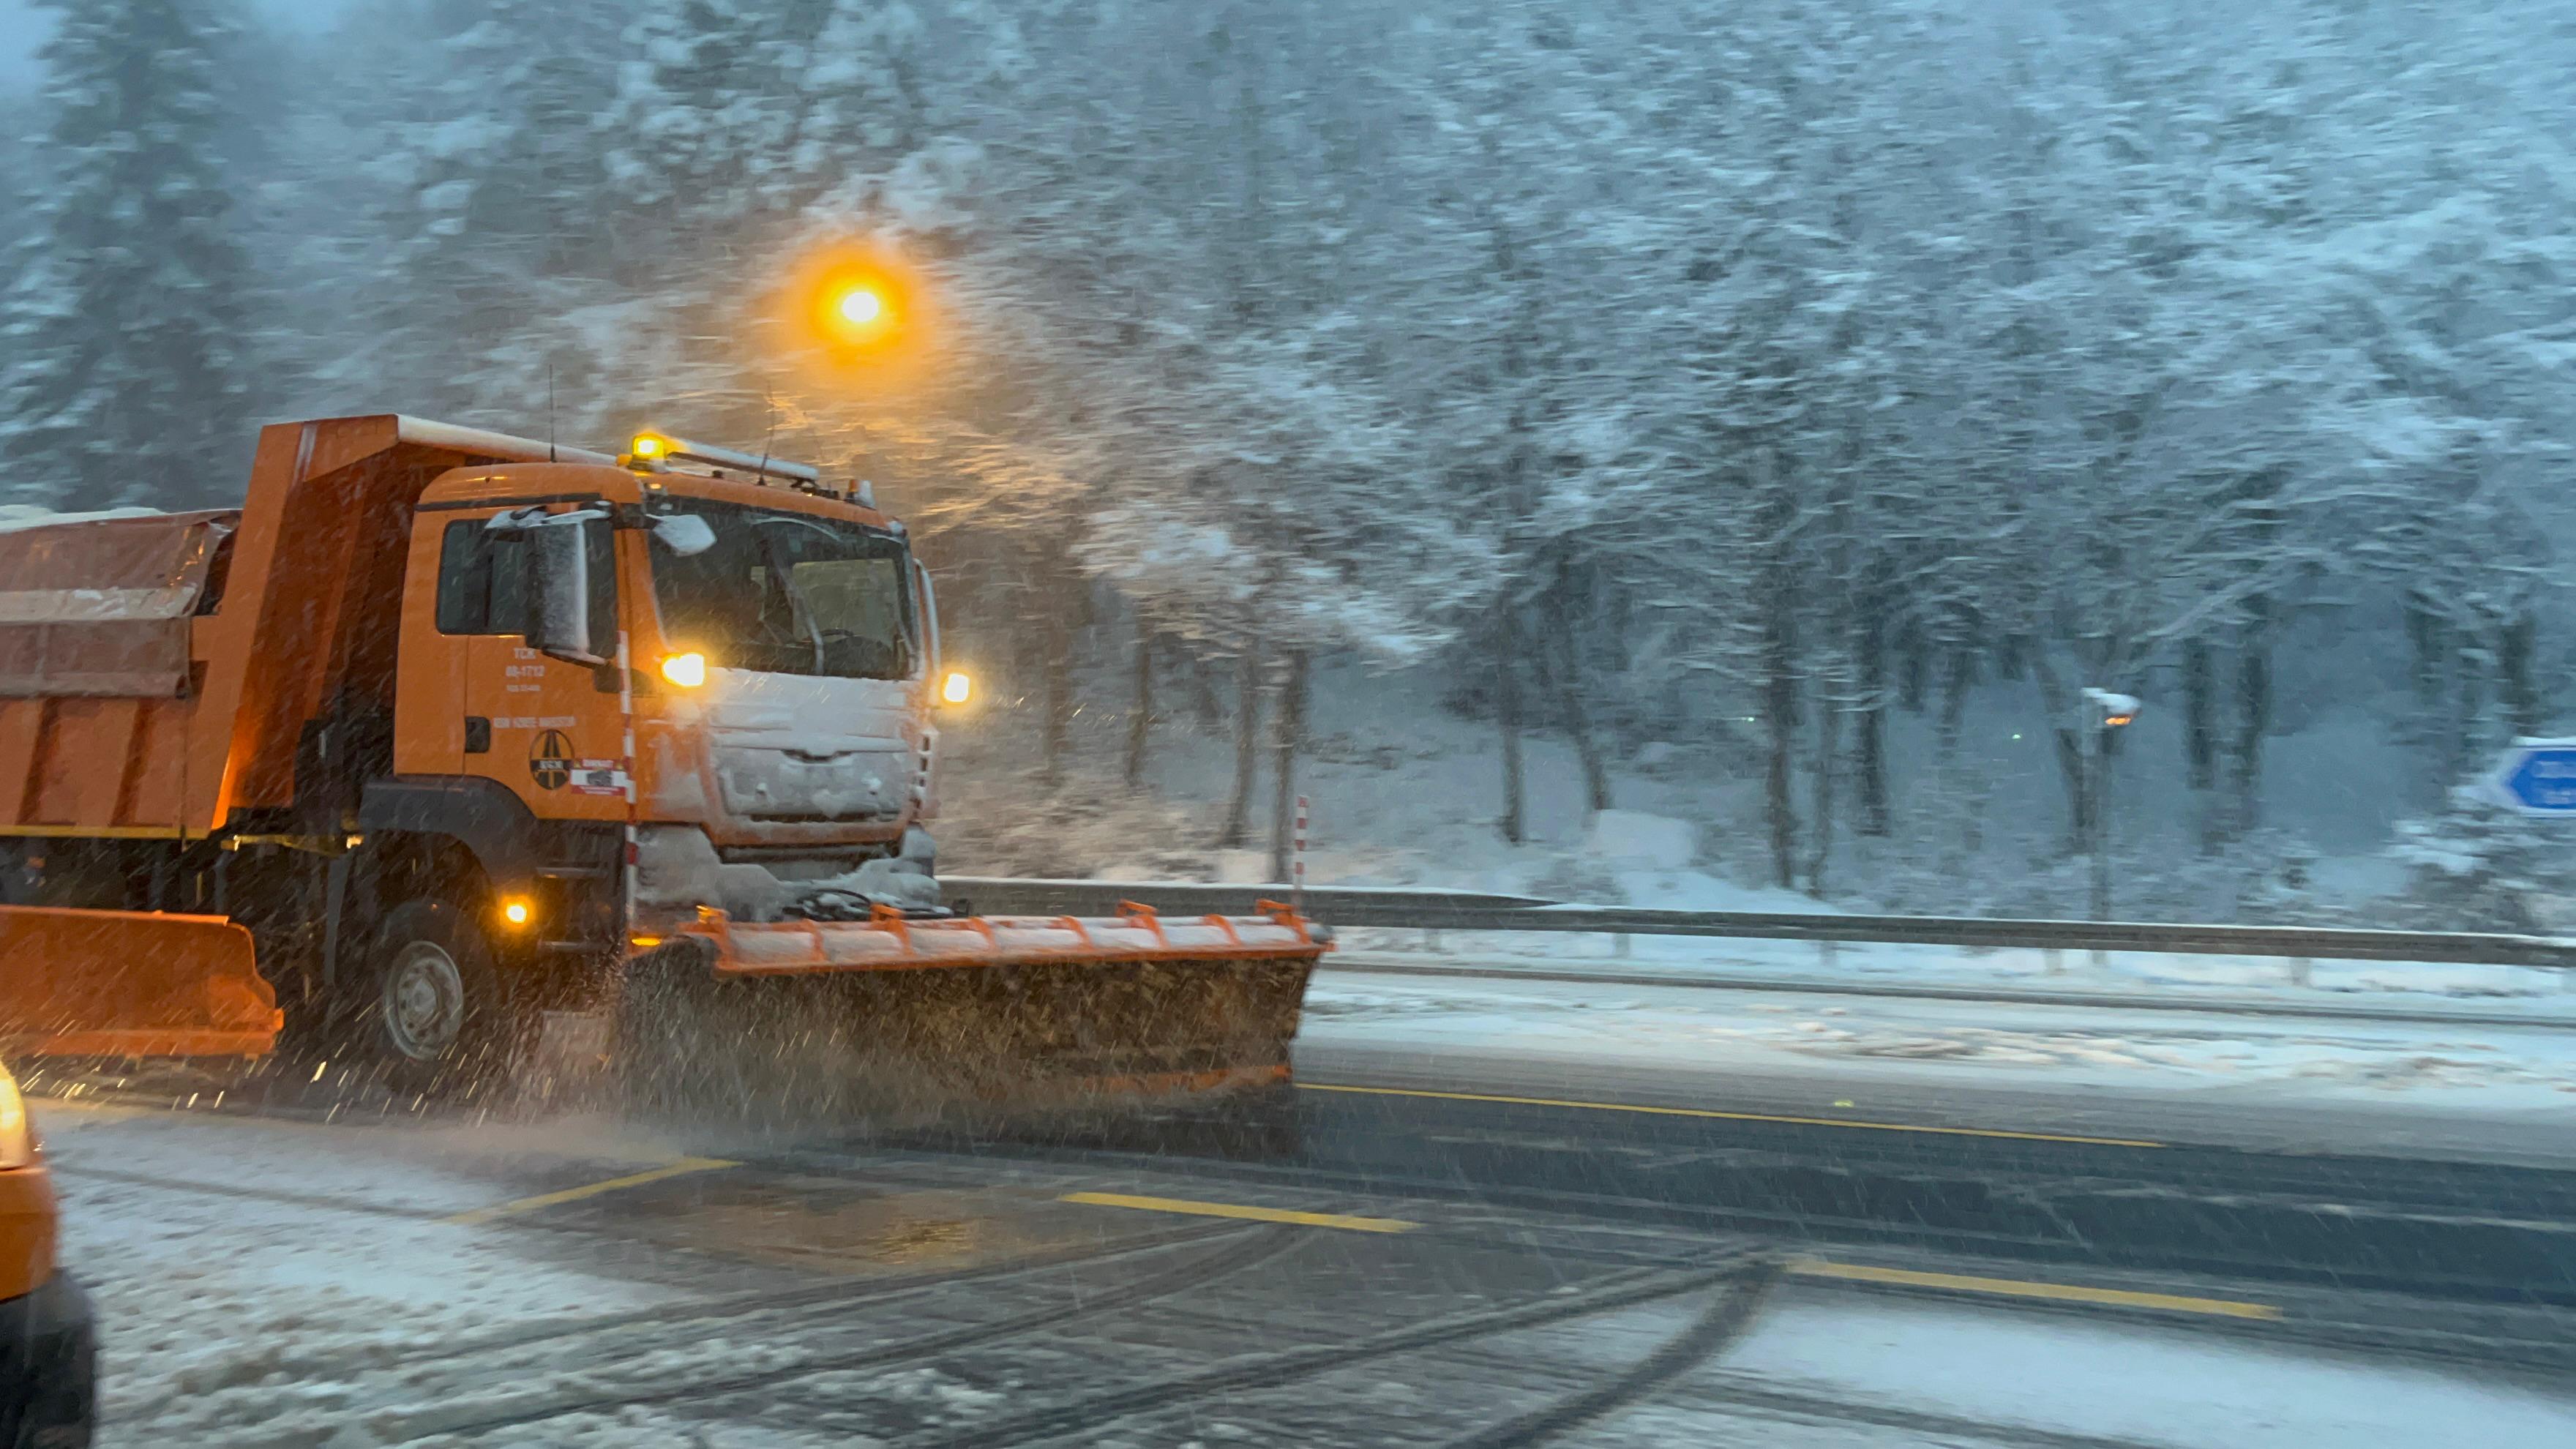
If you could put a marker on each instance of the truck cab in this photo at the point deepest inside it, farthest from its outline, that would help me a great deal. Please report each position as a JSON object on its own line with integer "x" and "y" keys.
{"x": 741, "y": 670}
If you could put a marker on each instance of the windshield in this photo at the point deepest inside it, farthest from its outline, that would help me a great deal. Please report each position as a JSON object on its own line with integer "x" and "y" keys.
{"x": 789, "y": 593}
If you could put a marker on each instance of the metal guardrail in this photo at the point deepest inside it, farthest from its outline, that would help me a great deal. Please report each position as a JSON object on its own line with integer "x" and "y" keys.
{"x": 1404, "y": 908}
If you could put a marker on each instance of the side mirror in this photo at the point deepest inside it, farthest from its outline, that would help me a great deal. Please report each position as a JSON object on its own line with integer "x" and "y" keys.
{"x": 558, "y": 592}
{"x": 684, "y": 534}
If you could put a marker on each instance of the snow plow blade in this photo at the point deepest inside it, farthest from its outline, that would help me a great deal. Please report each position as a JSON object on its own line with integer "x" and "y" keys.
{"x": 890, "y": 1012}
{"x": 79, "y": 983}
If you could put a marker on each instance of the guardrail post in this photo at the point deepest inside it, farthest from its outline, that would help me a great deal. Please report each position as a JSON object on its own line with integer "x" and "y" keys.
{"x": 1825, "y": 954}
{"x": 2052, "y": 961}
{"x": 2302, "y": 970}
{"x": 1431, "y": 942}
{"x": 1619, "y": 945}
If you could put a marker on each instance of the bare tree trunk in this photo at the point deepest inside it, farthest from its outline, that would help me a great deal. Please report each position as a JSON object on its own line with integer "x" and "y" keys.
{"x": 1914, "y": 667}
{"x": 2428, "y": 659}
{"x": 1056, "y": 683}
{"x": 1780, "y": 715}
{"x": 1247, "y": 746}
{"x": 1140, "y": 714}
{"x": 2468, "y": 712}
{"x": 1955, "y": 681}
{"x": 1872, "y": 744}
{"x": 2424, "y": 637}
{"x": 2200, "y": 713}
{"x": 1578, "y": 717}
{"x": 2516, "y": 643}
{"x": 1829, "y": 731}
{"x": 2074, "y": 765}
{"x": 1507, "y": 718}
{"x": 2253, "y": 716}
{"x": 1958, "y": 672}
{"x": 1199, "y": 684}
{"x": 2200, "y": 742}
{"x": 1290, "y": 737}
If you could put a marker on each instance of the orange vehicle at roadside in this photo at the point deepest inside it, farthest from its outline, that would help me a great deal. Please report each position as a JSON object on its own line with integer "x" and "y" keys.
{"x": 443, "y": 729}
{"x": 48, "y": 1354}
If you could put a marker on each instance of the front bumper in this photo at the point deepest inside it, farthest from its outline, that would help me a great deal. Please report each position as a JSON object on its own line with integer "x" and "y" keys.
{"x": 48, "y": 1368}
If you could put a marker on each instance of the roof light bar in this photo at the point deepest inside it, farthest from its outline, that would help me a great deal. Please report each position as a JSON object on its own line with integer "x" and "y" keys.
{"x": 664, "y": 448}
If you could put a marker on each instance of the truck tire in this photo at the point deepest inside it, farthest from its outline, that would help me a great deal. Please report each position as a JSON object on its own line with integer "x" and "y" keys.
{"x": 432, "y": 1007}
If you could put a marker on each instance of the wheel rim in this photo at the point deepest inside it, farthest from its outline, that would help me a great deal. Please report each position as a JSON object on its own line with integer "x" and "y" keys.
{"x": 424, "y": 1006}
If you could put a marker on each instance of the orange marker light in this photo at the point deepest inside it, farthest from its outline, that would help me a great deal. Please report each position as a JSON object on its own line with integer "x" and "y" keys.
{"x": 516, "y": 910}
{"x": 685, "y": 670}
{"x": 956, "y": 688}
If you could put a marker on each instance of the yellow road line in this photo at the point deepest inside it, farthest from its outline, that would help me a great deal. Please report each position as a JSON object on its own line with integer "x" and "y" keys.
{"x": 681, "y": 1168}
{"x": 1733, "y": 1116}
{"x": 2019, "y": 1288}
{"x": 1240, "y": 1210}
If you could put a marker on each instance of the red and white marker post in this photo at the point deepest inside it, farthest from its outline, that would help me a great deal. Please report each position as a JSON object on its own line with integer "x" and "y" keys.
{"x": 1297, "y": 863}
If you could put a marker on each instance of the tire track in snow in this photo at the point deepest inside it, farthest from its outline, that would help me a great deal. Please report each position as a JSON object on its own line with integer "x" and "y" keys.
{"x": 1089, "y": 1413}
{"x": 1720, "y": 1324}
{"x": 1245, "y": 1250}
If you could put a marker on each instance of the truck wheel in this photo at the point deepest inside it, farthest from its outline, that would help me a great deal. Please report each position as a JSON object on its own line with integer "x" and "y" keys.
{"x": 432, "y": 1007}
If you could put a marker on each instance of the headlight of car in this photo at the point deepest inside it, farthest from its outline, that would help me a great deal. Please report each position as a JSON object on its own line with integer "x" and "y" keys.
{"x": 17, "y": 1134}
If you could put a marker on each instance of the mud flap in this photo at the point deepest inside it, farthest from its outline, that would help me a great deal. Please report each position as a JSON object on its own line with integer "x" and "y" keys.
{"x": 130, "y": 983}
{"x": 874, "y": 1018}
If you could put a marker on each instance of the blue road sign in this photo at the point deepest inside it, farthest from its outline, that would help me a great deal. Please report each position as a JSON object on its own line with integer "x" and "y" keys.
{"x": 2538, "y": 777}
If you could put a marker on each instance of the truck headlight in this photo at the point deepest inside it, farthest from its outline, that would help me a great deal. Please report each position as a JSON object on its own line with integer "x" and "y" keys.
{"x": 17, "y": 1134}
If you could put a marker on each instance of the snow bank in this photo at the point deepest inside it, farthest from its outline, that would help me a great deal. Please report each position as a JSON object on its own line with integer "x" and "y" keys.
{"x": 1652, "y": 842}
{"x": 2455, "y": 1067}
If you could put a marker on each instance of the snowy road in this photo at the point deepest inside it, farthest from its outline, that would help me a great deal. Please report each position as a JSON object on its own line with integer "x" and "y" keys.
{"x": 1695, "y": 1221}
{"x": 273, "y": 1284}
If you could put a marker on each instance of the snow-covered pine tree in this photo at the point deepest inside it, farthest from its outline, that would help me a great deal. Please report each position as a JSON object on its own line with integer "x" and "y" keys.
{"x": 126, "y": 377}
{"x": 489, "y": 235}
{"x": 704, "y": 126}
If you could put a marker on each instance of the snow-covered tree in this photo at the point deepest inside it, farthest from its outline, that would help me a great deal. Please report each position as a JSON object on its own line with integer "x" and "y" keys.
{"x": 126, "y": 379}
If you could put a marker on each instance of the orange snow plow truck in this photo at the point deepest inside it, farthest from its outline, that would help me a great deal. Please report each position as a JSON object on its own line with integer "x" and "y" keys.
{"x": 444, "y": 729}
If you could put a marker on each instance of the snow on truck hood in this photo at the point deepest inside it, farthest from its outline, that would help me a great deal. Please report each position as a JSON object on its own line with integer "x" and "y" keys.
{"x": 805, "y": 747}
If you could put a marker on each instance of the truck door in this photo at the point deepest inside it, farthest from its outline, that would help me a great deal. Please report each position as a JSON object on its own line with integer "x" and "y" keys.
{"x": 547, "y": 729}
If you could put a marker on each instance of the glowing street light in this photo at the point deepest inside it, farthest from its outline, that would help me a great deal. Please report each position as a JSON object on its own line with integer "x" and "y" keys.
{"x": 857, "y": 308}
{"x": 861, "y": 305}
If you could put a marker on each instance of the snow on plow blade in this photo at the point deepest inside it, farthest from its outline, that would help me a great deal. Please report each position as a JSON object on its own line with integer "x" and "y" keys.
{"x": 889, "y": 1011}
{"x": 130, "y": 983}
